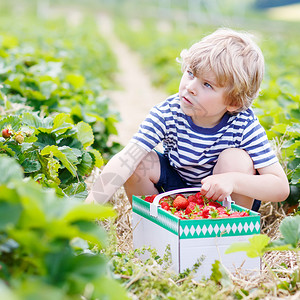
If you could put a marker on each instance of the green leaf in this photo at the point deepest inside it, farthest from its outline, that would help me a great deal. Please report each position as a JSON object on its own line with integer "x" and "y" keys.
{"x": 85, "y": 134}
{"x": 70, "y": 154}
{"x": 97, "y": 157}
{"x": 77, "y": 81}
{"x": 30, "y": 162}
{"x": 13, "y": 171}
{"x": 9, "y": 41}
{"x": 296, "y": 175}
{"x": 61, "y": 156}
{"x": 61, "y": 123}
{"x": 297, "y": 151}
{"x": 89, "y": 212}
{"x": 45, "y": 139}
{"x": 52, "y": 167}
{"x": 108, "y": 288}
{"x": 86, "y": 165}
{"x": 30, "y": 288}
{"x": 47, "y": 87}
{"x": 13, "y": 121}
{"x": 34, "y": 95}
{"x": 76, "y": 190}
{"x": 294, "y": 130}
{"x": 254, "y": 248}
{"x": 281, "y": 128}
{"x": 110, "y": 125}
{"x": 92, "y": 231}
{"x": 76, "y": 111}
{"x": 32, "y": 120}
{"x": 9, "y": 212}
{"x": 290, "y": 230}
{"x": 51, "y": 68}
{"x": 5, "y": 148}
{"x": 220, "y": 275}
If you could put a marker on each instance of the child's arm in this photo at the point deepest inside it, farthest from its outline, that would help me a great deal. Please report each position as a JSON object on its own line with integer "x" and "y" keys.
{"x": 270, "y": 185}
{"x": 116, "y": 172}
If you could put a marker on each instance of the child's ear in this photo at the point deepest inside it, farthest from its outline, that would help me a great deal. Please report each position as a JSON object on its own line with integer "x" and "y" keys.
{"x": 232, "y": 108}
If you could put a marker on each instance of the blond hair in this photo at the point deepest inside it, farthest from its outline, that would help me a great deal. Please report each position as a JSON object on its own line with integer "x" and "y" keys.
{"x": 236, "y": 61}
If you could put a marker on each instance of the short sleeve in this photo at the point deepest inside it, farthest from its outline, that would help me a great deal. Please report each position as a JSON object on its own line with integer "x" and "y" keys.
{"x": 255, "y": 142}
{"x": 151, "y": 131}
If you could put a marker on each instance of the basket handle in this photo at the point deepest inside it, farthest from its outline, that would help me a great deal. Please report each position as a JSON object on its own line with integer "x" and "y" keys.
{"x": 155, "y": 204}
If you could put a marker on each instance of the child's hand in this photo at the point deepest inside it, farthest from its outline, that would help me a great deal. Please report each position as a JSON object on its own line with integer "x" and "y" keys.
{"x": 217, "y": 187}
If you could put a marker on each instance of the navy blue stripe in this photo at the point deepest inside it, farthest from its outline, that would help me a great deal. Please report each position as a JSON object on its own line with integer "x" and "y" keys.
{"x": 262, "y": 161}
{"x": 199, "y": 147}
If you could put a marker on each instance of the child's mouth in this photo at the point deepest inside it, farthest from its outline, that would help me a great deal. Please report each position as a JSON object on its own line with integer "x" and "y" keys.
{"x": 186, "y": 100}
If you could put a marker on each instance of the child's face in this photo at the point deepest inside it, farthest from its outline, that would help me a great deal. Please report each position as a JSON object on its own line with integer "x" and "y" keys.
{"x": 202, "y": 99}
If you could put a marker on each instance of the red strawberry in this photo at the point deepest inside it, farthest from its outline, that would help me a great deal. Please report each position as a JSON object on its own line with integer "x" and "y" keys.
{"x": 167, "y": 199}
{"x": 235, "y": 214}
{"x": 221, "y": 215}
{"x": 191, "y": 207}
{"x": 215, "y": 204}
{"x": 205, "y": 212}
{"x": 180, "y": 202}
{"x": 180, "y": 214}
{"x": 165, "y": 206}
{"x": 180, "y": 195}
{"x": 6, "y": 133}
{"x": 192, "y": 198}
{"x": 150, "y": 198}
{"x": 244, "y": 214}
{"x": 198, "y": 198}
{"x": 221, "y": 209}
{"x": 198, "y": 195}
{"x": 197, "y": 218}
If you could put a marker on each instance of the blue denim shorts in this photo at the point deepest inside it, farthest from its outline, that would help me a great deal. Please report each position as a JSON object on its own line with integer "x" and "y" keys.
{"x": 169, "y": 179}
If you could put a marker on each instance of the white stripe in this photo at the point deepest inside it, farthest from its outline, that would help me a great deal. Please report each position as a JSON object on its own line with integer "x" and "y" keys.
{"x": 201, "y": 147}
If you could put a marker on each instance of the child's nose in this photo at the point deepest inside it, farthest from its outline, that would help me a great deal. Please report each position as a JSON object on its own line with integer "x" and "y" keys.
{"x": 191, "y": 87}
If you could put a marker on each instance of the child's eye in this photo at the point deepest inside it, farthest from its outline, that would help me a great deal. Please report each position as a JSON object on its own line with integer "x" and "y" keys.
{"x": 207, "y": 85}
{"x": 190, "y": 73}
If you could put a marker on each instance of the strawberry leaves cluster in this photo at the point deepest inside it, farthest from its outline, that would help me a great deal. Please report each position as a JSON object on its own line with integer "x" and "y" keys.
{"x": 53, "y": 151}
{"x": 69, "y": 76}
{"x": 195, "y": 207}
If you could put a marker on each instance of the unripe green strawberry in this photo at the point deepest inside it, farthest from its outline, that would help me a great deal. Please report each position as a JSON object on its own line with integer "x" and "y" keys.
{"x": 19, "y": 138}
{"x": 6, "y": 133}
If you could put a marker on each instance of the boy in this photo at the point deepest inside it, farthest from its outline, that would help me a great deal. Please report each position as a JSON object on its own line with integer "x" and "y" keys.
{"x": 210, "y": 135}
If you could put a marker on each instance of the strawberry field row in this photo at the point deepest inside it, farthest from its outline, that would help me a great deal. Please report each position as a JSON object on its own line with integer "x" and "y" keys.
{"x": 56, "y": 68}
{"x": 54, "y": 119}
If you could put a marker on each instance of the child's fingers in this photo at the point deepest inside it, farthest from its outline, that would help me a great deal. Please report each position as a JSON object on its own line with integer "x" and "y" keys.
{"x": 205, "y": 187}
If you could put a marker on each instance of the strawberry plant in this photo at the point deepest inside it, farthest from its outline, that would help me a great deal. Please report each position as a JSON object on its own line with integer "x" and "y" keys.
{"x": 52, "y": 150}
{"x": 60, "y": 74}
{"x": 50, "y": 247}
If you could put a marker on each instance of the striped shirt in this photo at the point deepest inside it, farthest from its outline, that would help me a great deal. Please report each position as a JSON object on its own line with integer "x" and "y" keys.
{"x": 192, "y": 150}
